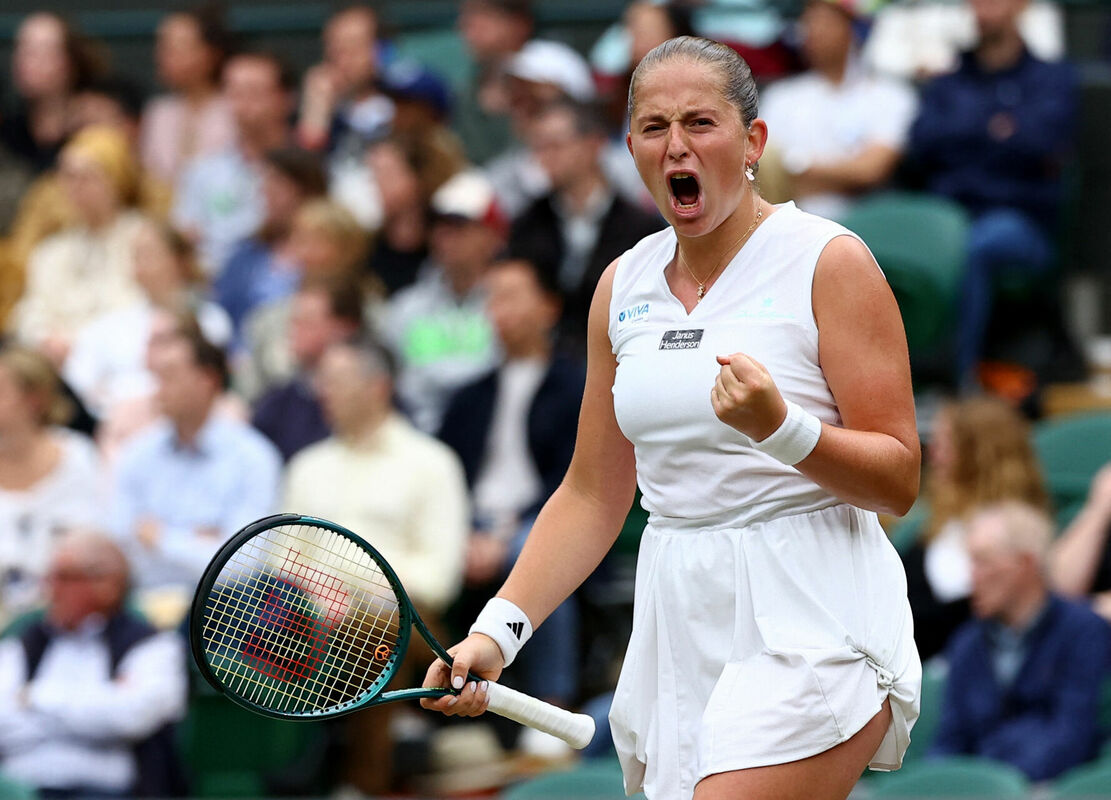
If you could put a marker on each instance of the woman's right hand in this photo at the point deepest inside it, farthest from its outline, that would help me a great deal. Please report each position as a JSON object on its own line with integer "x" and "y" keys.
{"x": 477, "y": 654}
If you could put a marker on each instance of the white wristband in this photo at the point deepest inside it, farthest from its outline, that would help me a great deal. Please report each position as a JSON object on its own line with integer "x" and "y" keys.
{"x": 506, "y": 624}
{"x": 795, "y": 438}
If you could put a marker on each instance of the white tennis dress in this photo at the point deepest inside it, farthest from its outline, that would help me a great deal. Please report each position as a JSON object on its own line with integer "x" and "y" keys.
{"x": 771, "y": 619}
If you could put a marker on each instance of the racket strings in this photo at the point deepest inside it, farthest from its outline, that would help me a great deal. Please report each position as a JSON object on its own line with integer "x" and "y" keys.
{"x": 301, "y": 620}
{"x": 277, "y": 641}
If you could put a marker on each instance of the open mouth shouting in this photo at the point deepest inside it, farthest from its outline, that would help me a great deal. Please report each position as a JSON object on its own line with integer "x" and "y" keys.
{"x": 686, "y": 193}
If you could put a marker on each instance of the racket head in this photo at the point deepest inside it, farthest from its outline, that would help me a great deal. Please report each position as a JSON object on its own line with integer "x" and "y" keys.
{"x": 296, "y": 617}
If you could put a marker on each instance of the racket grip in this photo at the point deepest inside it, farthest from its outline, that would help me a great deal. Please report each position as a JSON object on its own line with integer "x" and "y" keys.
{"x": 575, "y": 729}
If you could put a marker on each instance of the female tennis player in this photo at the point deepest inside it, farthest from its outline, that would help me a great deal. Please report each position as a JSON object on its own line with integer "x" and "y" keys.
{"x": 748, "y": 367}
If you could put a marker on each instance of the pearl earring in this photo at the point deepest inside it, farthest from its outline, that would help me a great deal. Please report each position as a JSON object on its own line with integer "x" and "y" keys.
{"x": 749, "y": 173}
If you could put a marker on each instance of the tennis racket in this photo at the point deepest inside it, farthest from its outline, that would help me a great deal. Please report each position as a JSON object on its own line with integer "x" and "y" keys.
{"x": 299, "y": 618}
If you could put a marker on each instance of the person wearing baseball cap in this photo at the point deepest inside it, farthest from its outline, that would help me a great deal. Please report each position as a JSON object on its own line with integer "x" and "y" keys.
{"x": 438, "y": 327}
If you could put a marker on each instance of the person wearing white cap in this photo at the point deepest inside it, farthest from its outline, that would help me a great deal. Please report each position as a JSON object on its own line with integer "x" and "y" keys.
{"x": 542, "y": 73}
{"x": 438, "y": 327}
{"x": 553, "y": 64}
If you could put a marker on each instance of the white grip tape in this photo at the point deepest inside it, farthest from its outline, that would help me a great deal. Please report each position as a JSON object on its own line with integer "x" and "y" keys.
{"x": 575, "y": 729}
{"x": 795, "y": 438}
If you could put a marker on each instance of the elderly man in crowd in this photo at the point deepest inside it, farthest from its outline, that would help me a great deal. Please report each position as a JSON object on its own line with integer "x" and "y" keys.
{"x": 1024, "y": 675}
{"x": 88, "y": 691}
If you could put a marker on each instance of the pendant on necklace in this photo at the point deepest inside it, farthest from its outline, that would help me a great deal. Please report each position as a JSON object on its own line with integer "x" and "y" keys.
{"x": 701, "y": 291}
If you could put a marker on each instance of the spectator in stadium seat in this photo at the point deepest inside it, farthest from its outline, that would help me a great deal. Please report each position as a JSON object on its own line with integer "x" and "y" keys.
{"x": 107, "y": 364}
{"x": 582, "y": 224}
{"x": 326, "y": 243}
{"x": 262, "y": 268}
{"x": 423, "y": 109}
{"x": 133, "y": 414}
{"x": 514, "y": 431}
{"x": 343, "y": 109}
{"x": 542, "y": 73}
{"x": 49, "y": 478}
{"x": 194, "y": 118}
{"x": 188, "y": 482}
{"x": 401, "y": 244}
{"x": 50, "y": 61}
{"x": 979, "y": 452}
{"x": 1025, "y": 675}
{"x": 324, "y": 311}
{"x": 839, "y": 130}
{"x": 399, "y": 488}
{"x": 89, "y": 691}
{"x": 44, "y": 207}
{"x": 83, "y": 271}
{"x": 494, "y": 31}
{"x": 221, "y": 196}
{"x": 52, "y": 66}
{"x": 1080, "y": 566}
{"x": 438, "y": 327}
{"x": 993, "y": 135}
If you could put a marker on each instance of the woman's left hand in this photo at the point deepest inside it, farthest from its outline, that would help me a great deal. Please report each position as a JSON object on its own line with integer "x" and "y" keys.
{"x": 746, "y": 398}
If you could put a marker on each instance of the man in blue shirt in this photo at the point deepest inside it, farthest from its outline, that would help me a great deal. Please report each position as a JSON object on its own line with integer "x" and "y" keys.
{"x": 993, "y": 135}
{"x": 1025, "y": 674}
{"x": 195, "y": 477}
{"x": 219, "y": 198}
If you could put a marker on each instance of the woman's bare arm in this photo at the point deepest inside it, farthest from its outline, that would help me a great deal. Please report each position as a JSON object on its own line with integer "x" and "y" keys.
{"x": 1076, "y": 554}
{"x": 874, "y": 461}
{"x": 577, "y": 525}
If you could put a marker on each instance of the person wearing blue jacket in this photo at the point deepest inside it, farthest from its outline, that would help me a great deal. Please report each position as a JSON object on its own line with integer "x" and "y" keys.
{"x": 993, "y": 135}
{"x": 1025, "y": 673}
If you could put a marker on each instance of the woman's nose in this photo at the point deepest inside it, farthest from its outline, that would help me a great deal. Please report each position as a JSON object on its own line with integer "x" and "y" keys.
{"x": 676, "y": 141}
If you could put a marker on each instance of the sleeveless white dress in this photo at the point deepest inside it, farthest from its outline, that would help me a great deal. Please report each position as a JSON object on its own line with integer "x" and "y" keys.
{"x": 771, "y": 619}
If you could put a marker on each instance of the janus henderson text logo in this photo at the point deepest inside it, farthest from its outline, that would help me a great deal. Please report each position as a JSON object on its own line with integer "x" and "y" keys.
{"x": 633, "y": 313}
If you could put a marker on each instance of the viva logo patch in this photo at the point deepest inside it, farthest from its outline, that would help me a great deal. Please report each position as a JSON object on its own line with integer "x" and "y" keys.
{"x": 633, "y": 313}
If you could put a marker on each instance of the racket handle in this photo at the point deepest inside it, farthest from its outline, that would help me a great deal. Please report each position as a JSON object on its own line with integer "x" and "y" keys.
{"x": 575, "y": 729}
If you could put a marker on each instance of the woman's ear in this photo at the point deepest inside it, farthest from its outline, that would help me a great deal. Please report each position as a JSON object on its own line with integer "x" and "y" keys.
{"x": 757, "y": 140}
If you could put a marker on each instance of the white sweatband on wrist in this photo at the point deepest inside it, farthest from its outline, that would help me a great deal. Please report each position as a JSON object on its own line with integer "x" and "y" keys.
{"x": 506, "y": 624}
{"x": 793, "y": 440}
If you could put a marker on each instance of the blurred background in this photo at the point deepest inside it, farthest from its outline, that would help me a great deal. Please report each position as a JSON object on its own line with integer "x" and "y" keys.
{"x": 337, "y": 259}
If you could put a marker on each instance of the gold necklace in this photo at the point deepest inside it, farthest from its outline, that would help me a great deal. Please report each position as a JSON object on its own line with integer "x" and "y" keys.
{"x": 702, "y": 282}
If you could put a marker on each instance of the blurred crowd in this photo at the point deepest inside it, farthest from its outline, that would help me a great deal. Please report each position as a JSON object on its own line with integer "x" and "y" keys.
{"x": 360, "y": 292}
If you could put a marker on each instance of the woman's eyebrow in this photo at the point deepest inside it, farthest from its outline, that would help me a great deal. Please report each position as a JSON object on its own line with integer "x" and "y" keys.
{"x": 686, "y": 115}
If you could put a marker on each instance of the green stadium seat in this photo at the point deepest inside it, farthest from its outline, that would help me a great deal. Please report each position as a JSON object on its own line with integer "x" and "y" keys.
{"x": 11, "y": 789}
{"x": 933, "y": 695}
{"x": 1090, "y": 780}
{"x": 590, "y": 780}
{"x": 907, "y": 530}
{"x": 955, "y": 777}
{"x": 1071, "y": 450}
{"x": 231, "y": 752}
{"x": 919, "y": 242}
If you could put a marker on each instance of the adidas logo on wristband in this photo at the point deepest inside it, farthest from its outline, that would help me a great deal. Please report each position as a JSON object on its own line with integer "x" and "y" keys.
{"x": 506, "y": 624}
